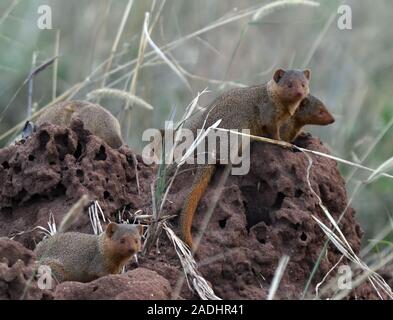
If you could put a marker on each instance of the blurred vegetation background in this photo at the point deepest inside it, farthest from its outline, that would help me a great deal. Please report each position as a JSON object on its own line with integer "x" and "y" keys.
{"x": 351, "y": 69}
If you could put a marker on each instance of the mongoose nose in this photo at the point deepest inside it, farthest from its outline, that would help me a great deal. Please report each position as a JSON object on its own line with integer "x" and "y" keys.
{"x": 298, "y": 94}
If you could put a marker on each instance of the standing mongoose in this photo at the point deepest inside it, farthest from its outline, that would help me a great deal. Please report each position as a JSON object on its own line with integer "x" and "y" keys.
{"x": 262, "y": 109}
{"x": 311, "y": 111}
{"x": 74, "y": 256}
{"x": 95, "y": 118}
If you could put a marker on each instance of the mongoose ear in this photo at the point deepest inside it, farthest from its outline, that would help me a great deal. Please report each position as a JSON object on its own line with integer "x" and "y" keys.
{"x": 278, "y": 74}
{"x": 110, "y": 229}
{"x": 307, "y": 73}
{"x": 140, "y": 229}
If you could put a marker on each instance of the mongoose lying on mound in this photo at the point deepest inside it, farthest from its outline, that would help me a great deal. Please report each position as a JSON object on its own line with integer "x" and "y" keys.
{"x": 74, "y": 256}
{"x": 262, "y": 109}
{"x": 311, "y": 111}
{"x": 95, "y": 118}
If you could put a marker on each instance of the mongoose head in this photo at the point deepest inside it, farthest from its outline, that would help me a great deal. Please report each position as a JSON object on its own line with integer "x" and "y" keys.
{"x": 123, "y": 240}
{"x": 313, "y": 111}
{"x": 291, "y": 86}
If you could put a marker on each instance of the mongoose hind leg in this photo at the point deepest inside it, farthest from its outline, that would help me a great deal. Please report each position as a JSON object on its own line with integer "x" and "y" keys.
{"x": 201, "y": 181}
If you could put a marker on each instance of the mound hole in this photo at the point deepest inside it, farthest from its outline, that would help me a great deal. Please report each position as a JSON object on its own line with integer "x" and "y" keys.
{"x": 80, "y": 174}
{"x": 279, "y": 200}
{"x": 298, "y": 193}
{"x": 101, "y": 155}
{"x": 17, "y": 169}
{"x": 43, "y": 138}
{"x": 223, "y": 223}
{"x": 62, "y": 140}
{"x": 59, "y": 190}
{"x": 5, "y": 165}
{"x": 78, "y": 151}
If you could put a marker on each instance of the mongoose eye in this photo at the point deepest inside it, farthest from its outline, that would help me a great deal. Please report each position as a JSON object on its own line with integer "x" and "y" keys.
{"x": 289, "y": 84}
{"x": 122, "y": 241}
{"x": 303, "y": 85}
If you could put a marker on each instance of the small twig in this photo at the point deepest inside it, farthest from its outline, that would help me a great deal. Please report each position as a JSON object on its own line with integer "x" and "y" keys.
{"x": 55, "y": 65}
{"x": 136, "y": 172}
{"x": 117, "y": 39}
{"x": 30, "y": 86}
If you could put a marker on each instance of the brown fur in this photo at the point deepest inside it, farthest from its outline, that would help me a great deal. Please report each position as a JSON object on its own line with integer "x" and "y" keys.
{"x": 311, "y": 111}
{"x": 95, "y": 118}
{"x": 81, "y": 257}
{"x": 261, "y": 108}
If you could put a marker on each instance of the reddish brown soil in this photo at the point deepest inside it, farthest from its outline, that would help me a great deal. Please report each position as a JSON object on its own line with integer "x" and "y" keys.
{"x": 51, "y": 170}
{"x": 259, "y": 217}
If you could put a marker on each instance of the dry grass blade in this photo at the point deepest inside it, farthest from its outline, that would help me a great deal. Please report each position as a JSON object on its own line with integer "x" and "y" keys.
{"x": 265, "y": 10}
{"x": 8, "y": 10}
{"x": 189, "y": 110}
{"x": 153, "y": 229}
{"x": 117, "y": 39}
{"x": 372, "y": 146}
{"x": 119, "y": 94}
{"x": 282, "y": 265}
{"x": 194, "y": 280}
{"x": 74, "y": 213}
{"x": 223, "y": 84}
{"x": 47, "y": 232}
{"x": 340, "y": 240}
{"x": 30, "y": 86}
{"x": 386, "y": 166}
{"x": 374, "y": 278}
{"x": 141, "y": 51}
{"x": 94, "y": 214}
{"x": 200, "y": 137}
{"x": 326, "y": 276}
{"x": 365, "y": 276}
{"x": 318, "y": 41}
{"x": 291, "y": 146}
{"x": 55, "y": 65}
{"x": 162, "y": 55}
{"x": 52, "y": 224}
{"x": 29, "y": 78}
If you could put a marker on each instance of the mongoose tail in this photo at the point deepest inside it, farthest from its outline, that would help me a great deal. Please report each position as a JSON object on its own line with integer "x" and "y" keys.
{"x": 199, "y": 185}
